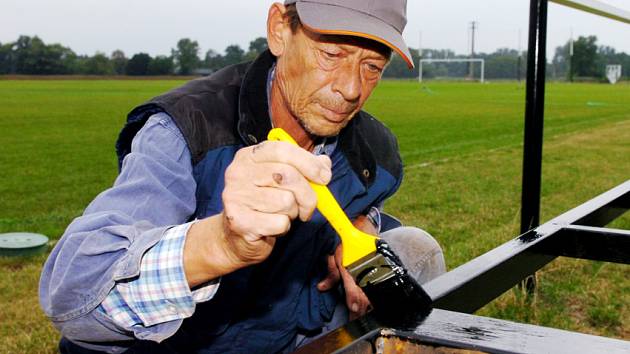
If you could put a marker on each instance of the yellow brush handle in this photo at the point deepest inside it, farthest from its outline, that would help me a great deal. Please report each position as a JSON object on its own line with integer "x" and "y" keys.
{"x": 356, "y": 244}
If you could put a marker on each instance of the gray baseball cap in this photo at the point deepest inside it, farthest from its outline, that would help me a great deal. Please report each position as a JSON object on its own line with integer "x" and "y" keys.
{"x": 379, "y": 20}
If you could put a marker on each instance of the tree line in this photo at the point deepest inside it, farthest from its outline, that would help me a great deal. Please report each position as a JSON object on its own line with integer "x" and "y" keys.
{"x": 589, "y": 61}
{"x": 31, "y": 56}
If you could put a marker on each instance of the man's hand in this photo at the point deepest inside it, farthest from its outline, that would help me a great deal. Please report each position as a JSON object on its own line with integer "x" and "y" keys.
{"x": 266, "y": 187}
{"x": 356, "y": 300}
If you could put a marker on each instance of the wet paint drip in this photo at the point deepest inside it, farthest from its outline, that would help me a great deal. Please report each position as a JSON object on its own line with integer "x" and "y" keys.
{"x": 398, "y": 300}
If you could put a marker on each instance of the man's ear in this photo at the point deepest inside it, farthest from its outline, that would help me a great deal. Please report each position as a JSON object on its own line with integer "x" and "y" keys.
{"x": 277, "y": 29}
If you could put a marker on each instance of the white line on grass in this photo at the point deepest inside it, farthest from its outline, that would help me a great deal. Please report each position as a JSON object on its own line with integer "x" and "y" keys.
{"x": 506, "y": 147}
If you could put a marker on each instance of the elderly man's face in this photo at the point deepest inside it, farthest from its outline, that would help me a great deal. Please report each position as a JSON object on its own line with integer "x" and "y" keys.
{"x": 324, "y": 80}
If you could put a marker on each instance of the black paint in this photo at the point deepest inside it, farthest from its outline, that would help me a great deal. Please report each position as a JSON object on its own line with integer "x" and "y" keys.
{"x": 398, "y": 300}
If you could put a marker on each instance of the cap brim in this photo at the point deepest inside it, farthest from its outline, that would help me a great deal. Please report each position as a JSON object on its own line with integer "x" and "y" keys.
{"x": 331, "y": 19}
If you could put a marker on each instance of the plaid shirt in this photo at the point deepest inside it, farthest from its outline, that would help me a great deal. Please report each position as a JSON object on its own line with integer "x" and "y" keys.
{"x": 160, "y": 293}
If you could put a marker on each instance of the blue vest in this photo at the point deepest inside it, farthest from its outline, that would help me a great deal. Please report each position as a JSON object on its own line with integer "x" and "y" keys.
{"x": 260, "y": 309}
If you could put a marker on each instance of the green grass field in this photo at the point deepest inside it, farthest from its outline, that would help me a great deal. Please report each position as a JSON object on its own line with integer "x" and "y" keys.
{"x": 462, "y": 148}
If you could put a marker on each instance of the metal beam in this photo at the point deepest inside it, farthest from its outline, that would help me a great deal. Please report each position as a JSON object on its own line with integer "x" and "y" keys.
{"x": 471, "y": 286}
{"x": 476, "y": 283}
{"x": 592, "y": 243}
{"x": 489, "y": 335}
{"x": 600, "y": 210}
{"x": 597, "y": 8}
{"x": 534, "y": 121}
{"x": 534, "y": 115}
{"x": 446, "y": 331}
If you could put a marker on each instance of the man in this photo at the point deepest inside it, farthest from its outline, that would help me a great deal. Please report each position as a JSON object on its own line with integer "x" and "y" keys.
{"x": 209, "y": 240}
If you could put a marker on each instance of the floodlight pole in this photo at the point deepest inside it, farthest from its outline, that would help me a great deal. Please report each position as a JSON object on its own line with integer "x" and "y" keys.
{"x": 534, "y": 119}
{"x": 571, "y": 67}
{"x": 471, "y": 67}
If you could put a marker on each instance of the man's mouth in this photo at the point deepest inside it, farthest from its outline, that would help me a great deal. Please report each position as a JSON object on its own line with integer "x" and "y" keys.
{"x": 335, "y": 115}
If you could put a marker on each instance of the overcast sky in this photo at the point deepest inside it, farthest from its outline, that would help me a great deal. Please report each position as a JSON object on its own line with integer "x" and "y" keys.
{"x": 154, "y": 26}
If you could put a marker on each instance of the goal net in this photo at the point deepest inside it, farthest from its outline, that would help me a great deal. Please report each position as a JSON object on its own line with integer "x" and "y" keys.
{"x": 613, "y": 73}
{"x": 452, "y": 69}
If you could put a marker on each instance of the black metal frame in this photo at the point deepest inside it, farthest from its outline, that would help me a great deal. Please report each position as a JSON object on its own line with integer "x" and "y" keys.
{"x": 461, "y": 331}
{"x": 535, "y": 105}
{"x": 578, "y": 233}
{"x": 534, "y": 115}
{"x": 535, "y": 98}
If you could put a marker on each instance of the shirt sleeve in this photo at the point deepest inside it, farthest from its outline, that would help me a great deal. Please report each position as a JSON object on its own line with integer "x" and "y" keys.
{"x": 106, "y": 246}
{"x": 160, "y": 293}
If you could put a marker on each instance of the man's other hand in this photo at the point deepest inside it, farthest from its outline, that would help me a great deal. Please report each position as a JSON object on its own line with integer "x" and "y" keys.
{"x": 356, "y": 300}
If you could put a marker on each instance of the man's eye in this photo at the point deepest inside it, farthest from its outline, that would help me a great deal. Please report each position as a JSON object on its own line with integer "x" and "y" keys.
{"x": 374, "y": 68}
{"x": 330, "y": 55}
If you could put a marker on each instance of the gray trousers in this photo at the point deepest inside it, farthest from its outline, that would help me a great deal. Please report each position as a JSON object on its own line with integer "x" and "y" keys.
{"x": 421, "y": 255}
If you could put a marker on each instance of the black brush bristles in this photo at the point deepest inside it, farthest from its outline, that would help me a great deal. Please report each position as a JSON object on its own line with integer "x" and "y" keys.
{"x": 398, "y": 300}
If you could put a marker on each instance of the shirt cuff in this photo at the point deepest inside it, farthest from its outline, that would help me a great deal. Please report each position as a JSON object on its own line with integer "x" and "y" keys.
{"x": 161, "y": 292}
{"x": 374, "y": 215}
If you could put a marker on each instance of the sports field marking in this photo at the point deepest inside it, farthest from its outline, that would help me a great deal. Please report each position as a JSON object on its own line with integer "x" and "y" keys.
{"x": 511, "y": 146}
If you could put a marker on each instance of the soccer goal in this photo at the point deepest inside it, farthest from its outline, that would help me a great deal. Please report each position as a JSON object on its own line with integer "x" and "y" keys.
{"x": 451, "y": 61}
{"x": 613, "y": 73}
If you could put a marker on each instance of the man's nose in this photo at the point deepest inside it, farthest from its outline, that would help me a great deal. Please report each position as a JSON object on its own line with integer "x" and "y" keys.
{"x": 348, "y": 82}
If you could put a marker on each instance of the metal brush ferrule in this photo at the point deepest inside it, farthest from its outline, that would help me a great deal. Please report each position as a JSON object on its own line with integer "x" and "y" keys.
{"x": 373, "y": 269}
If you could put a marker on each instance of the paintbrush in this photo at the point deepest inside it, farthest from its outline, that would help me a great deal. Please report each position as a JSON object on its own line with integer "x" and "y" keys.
{"x": 397, "y": 299}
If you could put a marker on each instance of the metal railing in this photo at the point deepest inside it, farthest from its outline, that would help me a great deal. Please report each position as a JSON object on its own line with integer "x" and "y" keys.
{"x": 535, "y": 98}
{"x": 578, "y": 233}
{"x": 535, "y": 104}
{"x": 597, "y": 8}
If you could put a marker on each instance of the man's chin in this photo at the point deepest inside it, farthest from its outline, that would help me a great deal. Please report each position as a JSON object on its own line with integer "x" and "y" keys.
{"x": 323, "y": 129}
{"x": 326, "y": 131}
